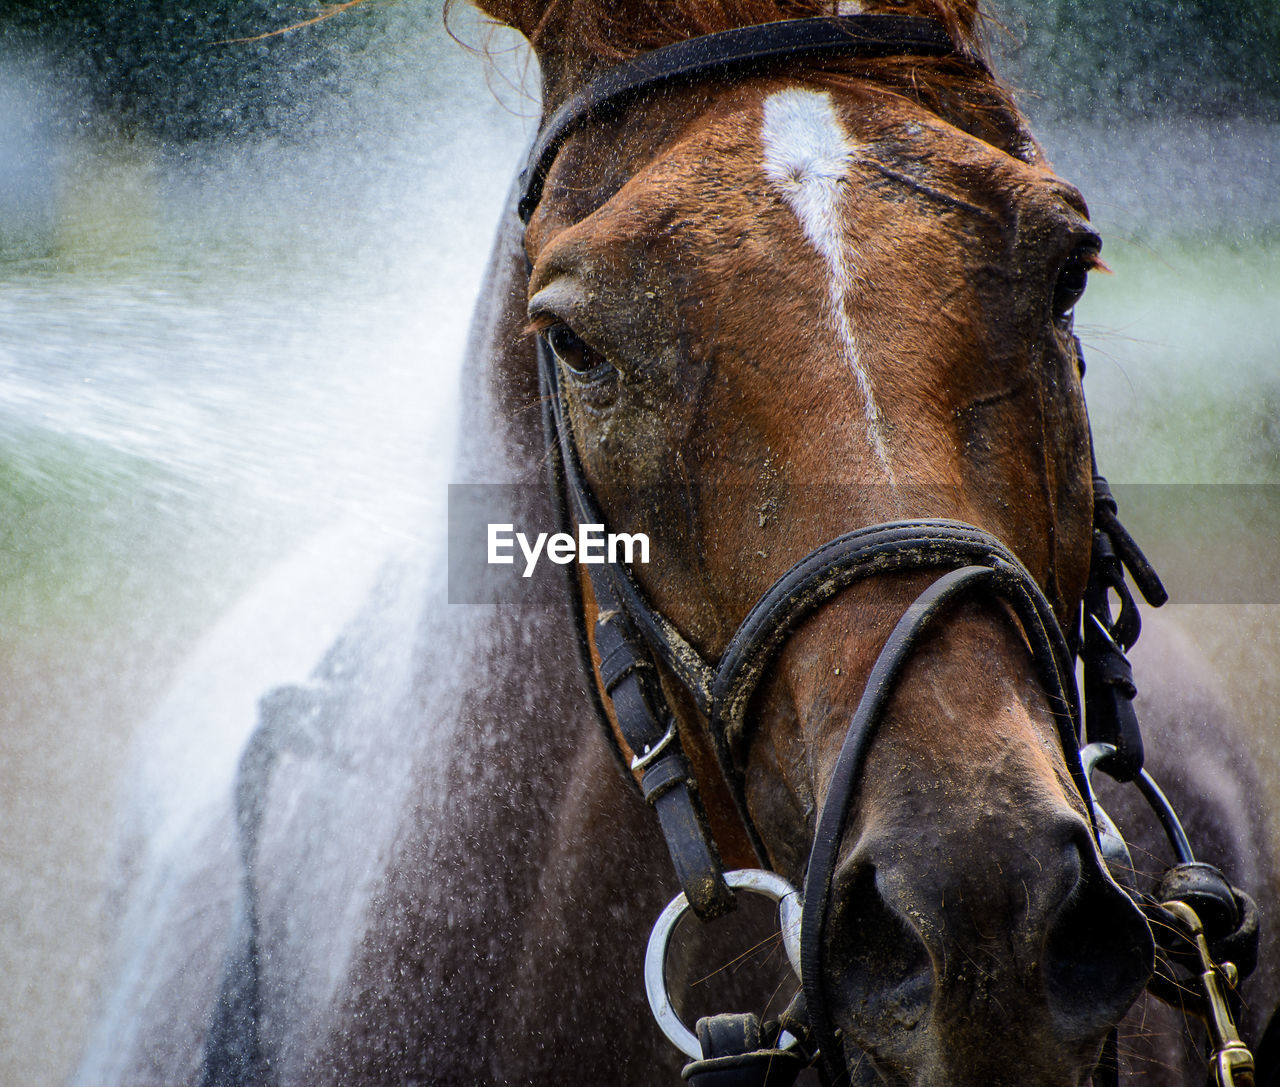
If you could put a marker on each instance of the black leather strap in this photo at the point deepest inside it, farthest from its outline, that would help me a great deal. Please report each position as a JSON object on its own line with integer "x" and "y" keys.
{"x": 828, "y": 570}
{"x": 745, "y": 49}
{"x": 838, "y": 804}
{"x": 685, "y": 662}
{"x": 1107, "y": 520}
{"x": 560, "y": 503}
{"x": 667, "y": 782}
{"x": 734, "y": 1054}
{"x": 1109, "y": 689}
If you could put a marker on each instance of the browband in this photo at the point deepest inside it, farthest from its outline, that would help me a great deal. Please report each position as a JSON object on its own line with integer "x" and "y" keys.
{"x": 744, "y": 49}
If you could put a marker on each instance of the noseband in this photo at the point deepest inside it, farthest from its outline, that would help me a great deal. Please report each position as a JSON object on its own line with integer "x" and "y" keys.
{"x": 632, "y": 638}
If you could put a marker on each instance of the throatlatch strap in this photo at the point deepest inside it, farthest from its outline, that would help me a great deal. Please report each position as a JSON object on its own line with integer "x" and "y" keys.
{"x": 1109, "y": 689}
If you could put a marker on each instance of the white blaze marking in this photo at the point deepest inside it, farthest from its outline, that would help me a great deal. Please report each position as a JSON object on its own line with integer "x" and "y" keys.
{"x": 808, "y": 156}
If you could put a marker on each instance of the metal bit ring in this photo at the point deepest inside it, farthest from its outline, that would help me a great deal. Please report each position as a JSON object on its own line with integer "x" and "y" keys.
{"x": 771, "y": 886}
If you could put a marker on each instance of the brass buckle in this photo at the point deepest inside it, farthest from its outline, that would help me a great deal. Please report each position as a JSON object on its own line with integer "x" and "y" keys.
{"x": 1232, "y": 1061}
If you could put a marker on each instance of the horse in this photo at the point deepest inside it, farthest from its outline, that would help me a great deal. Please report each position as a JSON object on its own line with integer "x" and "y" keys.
{"x": 796, "y": 306}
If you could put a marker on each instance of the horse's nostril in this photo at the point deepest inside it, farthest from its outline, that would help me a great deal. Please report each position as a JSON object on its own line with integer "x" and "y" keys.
{"x": 885, "y": 973}
{"x": 1098, "y": 955}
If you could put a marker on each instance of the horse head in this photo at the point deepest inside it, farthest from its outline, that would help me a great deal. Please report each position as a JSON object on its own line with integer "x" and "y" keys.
{"x": 802, "y": 300}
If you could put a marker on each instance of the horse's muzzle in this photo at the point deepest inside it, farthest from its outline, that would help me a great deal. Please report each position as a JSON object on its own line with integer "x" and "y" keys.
{"x": 1002, "y": 958}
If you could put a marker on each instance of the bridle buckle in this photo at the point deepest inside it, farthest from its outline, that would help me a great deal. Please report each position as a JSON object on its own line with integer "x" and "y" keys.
{"x": 642, "y": 761}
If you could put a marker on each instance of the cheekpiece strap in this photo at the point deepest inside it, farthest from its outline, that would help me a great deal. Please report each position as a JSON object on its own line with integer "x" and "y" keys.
{"x": 631, "y": 683}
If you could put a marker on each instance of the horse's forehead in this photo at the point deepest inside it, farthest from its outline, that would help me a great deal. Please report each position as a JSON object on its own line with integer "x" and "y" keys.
{"x": 827, "y": 156}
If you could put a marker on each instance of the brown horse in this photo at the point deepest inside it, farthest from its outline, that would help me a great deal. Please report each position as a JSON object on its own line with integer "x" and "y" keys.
{"x": 807, "y": 298}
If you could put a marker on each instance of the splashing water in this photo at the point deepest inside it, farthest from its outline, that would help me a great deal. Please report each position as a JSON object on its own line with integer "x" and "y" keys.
{"x": 227, "y": 386}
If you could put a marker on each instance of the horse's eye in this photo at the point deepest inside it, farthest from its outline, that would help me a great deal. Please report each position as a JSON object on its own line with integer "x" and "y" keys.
{"x": 1072, "y": 279}
{"x": 574, "y": 352}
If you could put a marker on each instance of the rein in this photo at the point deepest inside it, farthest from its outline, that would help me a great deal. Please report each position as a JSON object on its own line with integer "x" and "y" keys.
{"x": 633, "y": 639}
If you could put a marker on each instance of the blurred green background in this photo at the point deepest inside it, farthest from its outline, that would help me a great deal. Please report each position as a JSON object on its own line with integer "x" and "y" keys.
{"x": 235, "y": 279}
{"x": 178, "y": 69}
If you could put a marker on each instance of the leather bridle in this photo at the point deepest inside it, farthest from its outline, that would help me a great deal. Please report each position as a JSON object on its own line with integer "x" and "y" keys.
{"x": 632, "y": 639}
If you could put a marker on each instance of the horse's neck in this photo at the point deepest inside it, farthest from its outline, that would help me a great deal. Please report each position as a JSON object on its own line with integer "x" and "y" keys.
{"x": 533, "y": 811}
{"x": 501, "y": 423}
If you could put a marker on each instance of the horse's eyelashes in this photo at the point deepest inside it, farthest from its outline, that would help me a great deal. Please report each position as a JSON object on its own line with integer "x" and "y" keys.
{"x": 573, "y": 351}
